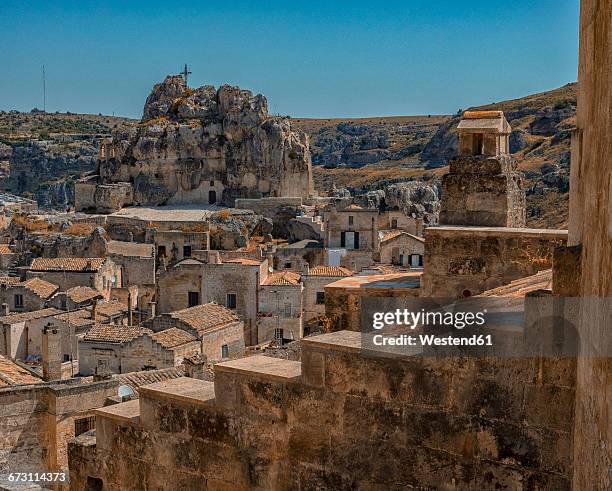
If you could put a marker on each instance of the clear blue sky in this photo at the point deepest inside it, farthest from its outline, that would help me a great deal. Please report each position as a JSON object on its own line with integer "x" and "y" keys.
{"x": 310, "y": 58}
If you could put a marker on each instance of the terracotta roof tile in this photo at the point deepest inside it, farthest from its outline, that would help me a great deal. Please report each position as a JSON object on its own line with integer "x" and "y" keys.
{"x": 76, "y": 264}
{"x": 26, "y": 316}
{"x": 12, "y": 374}
{"x": 6, "y": 249}
{"x": 80, "y": 294}
{"x": 173, "y": 337}
{"x": 338, "y": 271}
{"x": 78, "y": 318}
{"x": 9, "y": 280}
{"x": 111, "y": 309}
{"x": 135, "y": 380}
{"x": 282, "y": 278}
{"x": 113, "y": 333}
{"x": 205, "y": 317}
{"x": 40, "y": 287}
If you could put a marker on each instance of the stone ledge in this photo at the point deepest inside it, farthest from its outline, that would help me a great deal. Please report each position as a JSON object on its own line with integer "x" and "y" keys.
{"x": 183, "y": 389}
{"x": 542, "y": 233}
{"x": 349, "y": 341}
{"x": 126, "y": 412}
{"x": 261, "y": 366}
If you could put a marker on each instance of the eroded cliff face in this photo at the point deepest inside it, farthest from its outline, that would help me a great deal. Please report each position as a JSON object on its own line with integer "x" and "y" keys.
{"x": 207, "y": 146}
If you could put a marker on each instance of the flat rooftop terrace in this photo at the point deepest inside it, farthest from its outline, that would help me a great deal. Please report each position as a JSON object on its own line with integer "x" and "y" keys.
{"x": 450, "y": 230}
{"x": 409, "y": 280}
{"x": 185, "y": 213}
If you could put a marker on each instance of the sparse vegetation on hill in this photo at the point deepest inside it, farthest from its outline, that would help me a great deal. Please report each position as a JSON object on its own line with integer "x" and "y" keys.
{"x": 360, "y": 154}
{"x": 540, "y": 142}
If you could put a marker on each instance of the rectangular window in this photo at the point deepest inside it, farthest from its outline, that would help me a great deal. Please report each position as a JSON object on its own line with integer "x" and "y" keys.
{"x": 18, "y": 301}
{"x": 394, "y": 223}
{"x": 187, "y": 251}
{"x": 356, "y": 241}
{"x": 320, "y": 298}
{"x": 193, "y": 299}
{"x": 66, "y": 357}
{"x": 161, "y": 251}
{"x": 287, "y": 310}
{"x": 225, "y": 351}
{"x": 81, "y": 425}
{"x": 287, "y": 265}
{"x": 350, "y": 220}
{"x": 342, "y": 239}
{"x": 230, "y": 301}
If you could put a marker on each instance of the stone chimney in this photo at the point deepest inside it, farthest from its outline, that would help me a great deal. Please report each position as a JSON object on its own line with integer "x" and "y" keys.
{"x": 130, "y": 313}
{"x": 195, "y": 366}
{"x": 214, "y": 257}
{"x": 51, "y": 353}
{"x": 94, "y": 309}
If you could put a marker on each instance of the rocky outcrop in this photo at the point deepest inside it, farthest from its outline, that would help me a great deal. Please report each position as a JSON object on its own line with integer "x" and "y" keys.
{"x": 45, "y": 169}
{"x": 207, "y": 146}
{"x": 358, "y": 143}
{"x": 414, "y": 198}
{"x": 232, "y": 229}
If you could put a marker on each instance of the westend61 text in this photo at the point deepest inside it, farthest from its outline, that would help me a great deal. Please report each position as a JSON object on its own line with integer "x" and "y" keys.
{"x": 431, "y": 340}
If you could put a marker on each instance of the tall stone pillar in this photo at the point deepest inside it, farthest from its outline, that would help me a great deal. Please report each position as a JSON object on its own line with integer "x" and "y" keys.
{"x": 51, "y": 353}
{"x": 591, "y": 229}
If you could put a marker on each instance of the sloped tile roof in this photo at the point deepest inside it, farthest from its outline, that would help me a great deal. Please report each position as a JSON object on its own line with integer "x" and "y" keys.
{"x": 78, "y": 318}
{"x": 111, "y": 309}
{"x": 173, "y": 337}
{"x": 113, "y": 333}
{"x": 75, "y": 264}
{"x": 26, "y": 316}
{"x": 338, "y": 271}
{"x": 135, "y": 380}
{"x": 205, "y": 317}
{"x": 392, "y": 234}
{"x": 5, "y": 249}
{"x": 13, "y": 374}
{"x": 40, "y": 287}
{"x": 9, "y": 280}
{"x": 282, "y": 278}
{"x": 80, "y": 294}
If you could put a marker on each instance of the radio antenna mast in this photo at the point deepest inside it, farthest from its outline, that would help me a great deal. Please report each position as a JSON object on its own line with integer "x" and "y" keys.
{"x": 44, "y": 90}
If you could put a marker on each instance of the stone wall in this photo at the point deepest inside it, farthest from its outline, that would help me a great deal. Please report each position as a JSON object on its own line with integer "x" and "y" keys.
{"x": 591, "y": 226}
{"x": 340, "y": 420}
{"x": 474, "y": 259}
{"x": 243, "y": 280}
{"x": 37, "y": 421}
{"x": 282, "y": 303}
{"x": 174, "y": 285}
{"x": 485, "y": 191}
{"x": 399, "y": 249}
{"x": 135, "y": 270}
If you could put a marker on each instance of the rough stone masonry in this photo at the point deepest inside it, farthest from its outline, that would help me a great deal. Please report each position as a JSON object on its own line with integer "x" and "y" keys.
{"x": 199, "y": 146}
